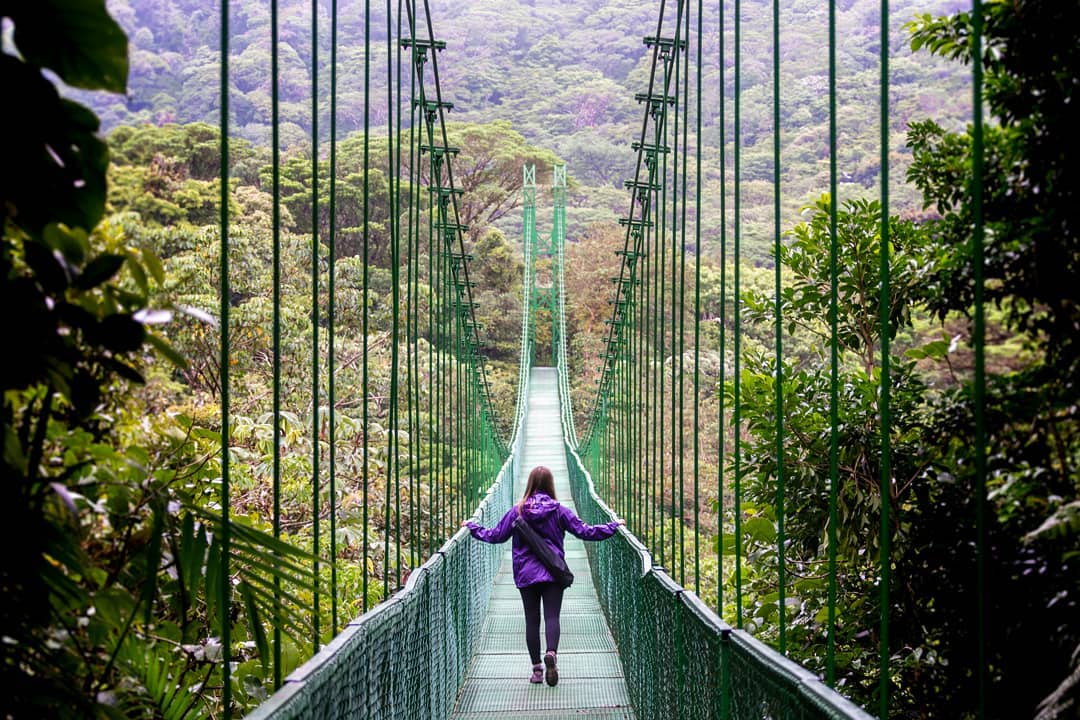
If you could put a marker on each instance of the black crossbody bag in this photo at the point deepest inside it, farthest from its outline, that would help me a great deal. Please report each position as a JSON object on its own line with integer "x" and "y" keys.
{"x": 551, "y": 560}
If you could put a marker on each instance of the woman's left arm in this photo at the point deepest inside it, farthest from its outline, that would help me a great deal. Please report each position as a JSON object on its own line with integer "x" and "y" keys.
{"x": 498, "y": 534}
{"x": 574, "y": 525}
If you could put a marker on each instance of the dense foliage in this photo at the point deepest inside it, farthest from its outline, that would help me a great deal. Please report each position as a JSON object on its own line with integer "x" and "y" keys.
{"x": 564, "y": 73}
{"x": 1032, "y": 531}
{"x": 110, "y": 264}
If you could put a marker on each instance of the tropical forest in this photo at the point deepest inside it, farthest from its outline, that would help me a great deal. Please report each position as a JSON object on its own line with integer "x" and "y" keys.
{"x": 276, "y": 274}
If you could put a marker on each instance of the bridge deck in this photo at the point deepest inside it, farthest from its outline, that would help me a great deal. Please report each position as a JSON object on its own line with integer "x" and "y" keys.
{"x": 591, "y": 683}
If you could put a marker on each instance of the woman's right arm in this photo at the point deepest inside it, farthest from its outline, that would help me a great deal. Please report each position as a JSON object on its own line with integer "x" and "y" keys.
{"x": 498, "y": 534}
{"x": 578, "y": 528}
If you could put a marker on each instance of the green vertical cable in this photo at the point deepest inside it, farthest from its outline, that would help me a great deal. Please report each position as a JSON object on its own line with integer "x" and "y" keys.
{"x": 391, "y": 442}
{"x": 412, "y": 326}
{"x": 781, "y": 575}
{"x": 620, "y": 428}
{"x": 440, "y": 405}
{"x": 432, "y": 455}
{"x": 455, "y": 408}
{"x": 661, "y": 339}
{"x": 648, "y": 493}
{"x": 632, "y": 488}
{"x": 677, "y": 151}
{"x": 315, "y": 522}
{"x": 736, "y": 312}
{"x": 886, "y": 420}
{"x": 655, "y": 469}
{"x": 416, "y": 138}
{"x": 395, "y": 251}
{"x": 331, "y": 317}
{"x": 364, "y": 367}
{"x": 437, "y": 439}
{"x": 977, "y": 259}
{"x": 226, "y": 531}
{"x": 633, "y": 458}
{"x": 682, "y": 315}
{"x": 648, "y": 422}
{"x": 697, "y": 301}
{"x": 721, "y": 434}
{"x": 446, "y": 378}
{"x": 410, "y": 307}
{"x": 275, "y": 163}
{"x": 834, "y": 360}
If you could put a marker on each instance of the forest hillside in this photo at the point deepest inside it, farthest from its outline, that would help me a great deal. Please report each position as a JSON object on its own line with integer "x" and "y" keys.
{"x": 206, "y": 466}
{"x": 564, "y": 74}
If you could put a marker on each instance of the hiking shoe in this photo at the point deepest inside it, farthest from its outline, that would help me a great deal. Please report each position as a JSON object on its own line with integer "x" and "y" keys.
{"x": 552, "y": 672}
{"x": 537, "y": 674}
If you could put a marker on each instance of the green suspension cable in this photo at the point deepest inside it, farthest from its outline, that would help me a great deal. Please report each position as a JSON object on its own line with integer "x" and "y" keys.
{"x": 682, "y": 315}
{"x": 781, "y": 579}
{"x": 737, "y": 312}
{"x": 275, "y": 224}
{"x": 433, "y": 485}
{"x": 721, "y": 394}
{"x": 226, "y": 531}
{"x": 395, "y": 252}
{"x": 678, "y": 151}
{"x": 979, "y": 331}
{"x": 627, "y": 253}
{"x": 697, "y": 303}
{"x": 331, "y": 319}
{"x": 411, "y": 332}
{"x": 364, "y": 388}
{"x": 391, "y": 442}
{"x": 834, "y": 360}
{"x": 413, "y": 316}
{"x": 442, "y": 107}
{"x": 885, "y": 409}
{"x": 661, "y": 267}
{"x": 315, "y": 521}
{"x": 446, "y": 476}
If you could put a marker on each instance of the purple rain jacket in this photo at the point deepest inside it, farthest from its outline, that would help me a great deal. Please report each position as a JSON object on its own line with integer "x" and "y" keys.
{"x": 551, "y": 520}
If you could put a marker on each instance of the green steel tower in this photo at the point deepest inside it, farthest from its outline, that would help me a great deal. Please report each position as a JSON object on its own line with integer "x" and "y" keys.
{"x": 546, "y": 255}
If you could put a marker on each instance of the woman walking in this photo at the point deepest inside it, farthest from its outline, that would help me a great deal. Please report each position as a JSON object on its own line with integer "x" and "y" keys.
{"x": 550, "y": 519}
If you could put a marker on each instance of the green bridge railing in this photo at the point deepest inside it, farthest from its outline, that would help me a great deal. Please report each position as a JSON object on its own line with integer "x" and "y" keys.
{"x": 407, "y": 657}
{"x": 684, "y": 661}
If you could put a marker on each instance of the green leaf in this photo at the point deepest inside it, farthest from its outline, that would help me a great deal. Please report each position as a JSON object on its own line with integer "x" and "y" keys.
{"x": 138, "y": 273}
{"x": 153, "y": 561}
{"x": 124, "y": 370}
{"x": 120, "y": 333}
{"x": 760, "y": 529}
{"x": 153, "y": 264}
{"x": 73, "y": 244}
{"x": 100, "y": 270}
{"x": 192, "y": 554}
{"x": 213, "y": 586}
{"x": 54, "y": 162}
{"x": 255, "y": 624}
{"x": 167, "y": 351}
{"x": 76, "y": 39}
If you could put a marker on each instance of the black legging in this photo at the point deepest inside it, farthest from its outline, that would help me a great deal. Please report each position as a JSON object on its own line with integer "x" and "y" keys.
{"x": 531, "y": 596}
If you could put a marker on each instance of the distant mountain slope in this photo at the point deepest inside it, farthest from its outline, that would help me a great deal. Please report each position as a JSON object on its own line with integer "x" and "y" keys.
{"x": 564, "y": 72}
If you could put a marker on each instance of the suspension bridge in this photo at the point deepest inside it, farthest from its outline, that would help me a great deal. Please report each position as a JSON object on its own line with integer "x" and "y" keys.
{"x": 445, "y": 640}
{"x": 634, "y": 644}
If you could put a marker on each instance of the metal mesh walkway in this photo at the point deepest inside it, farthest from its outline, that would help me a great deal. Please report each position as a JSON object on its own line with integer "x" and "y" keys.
{"x": 591, "y": 683}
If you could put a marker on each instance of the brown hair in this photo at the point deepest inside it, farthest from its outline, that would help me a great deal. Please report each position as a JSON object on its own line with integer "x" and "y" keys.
{"x": 540, "y": 480}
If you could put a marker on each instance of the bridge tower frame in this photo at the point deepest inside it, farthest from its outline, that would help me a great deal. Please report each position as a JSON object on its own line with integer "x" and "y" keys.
{"x": 548, "y": 248}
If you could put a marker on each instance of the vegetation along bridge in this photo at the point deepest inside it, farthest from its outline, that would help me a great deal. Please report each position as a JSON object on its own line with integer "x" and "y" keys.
{"x": 262, "y": 371}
